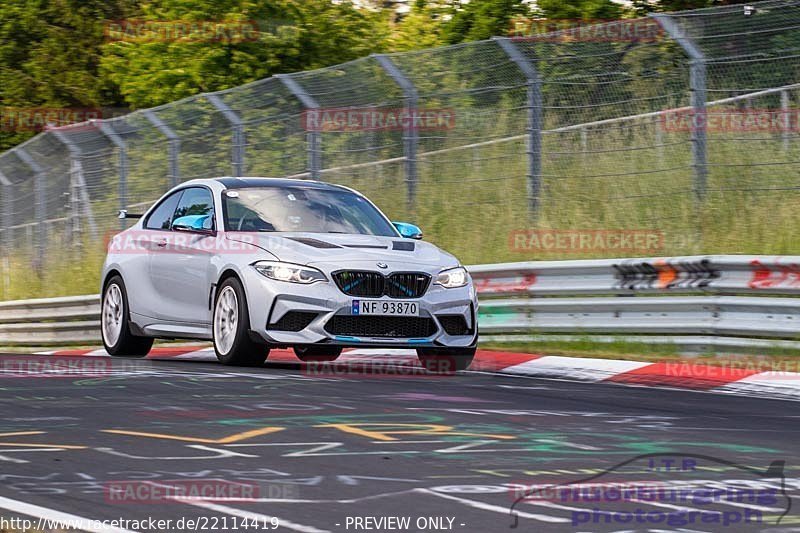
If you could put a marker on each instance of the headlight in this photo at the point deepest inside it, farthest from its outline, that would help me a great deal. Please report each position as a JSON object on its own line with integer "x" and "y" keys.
{"x": 289, "y": 272}
{"x": 453, "y": 278}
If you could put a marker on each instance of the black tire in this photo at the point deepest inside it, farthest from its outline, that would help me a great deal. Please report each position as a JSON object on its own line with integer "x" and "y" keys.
{"x": 127, "y": 344}
{"x": 317, "y": 354}
{"x": 243, "y": 351}
{"x": 445, "y": 360}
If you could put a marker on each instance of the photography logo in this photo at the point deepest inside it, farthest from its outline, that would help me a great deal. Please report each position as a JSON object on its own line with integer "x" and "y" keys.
{"x": 656, "y": 491}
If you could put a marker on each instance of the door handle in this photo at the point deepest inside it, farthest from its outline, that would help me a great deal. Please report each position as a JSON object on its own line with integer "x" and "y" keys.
{"x": 162, "y": 243}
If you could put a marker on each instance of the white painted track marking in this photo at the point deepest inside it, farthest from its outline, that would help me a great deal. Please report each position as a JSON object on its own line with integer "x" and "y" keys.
{"x": 496, "y": 508}
{"x": 52, "y": 515}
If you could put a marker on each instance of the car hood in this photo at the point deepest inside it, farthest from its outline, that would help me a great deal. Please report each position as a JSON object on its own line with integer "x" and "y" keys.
{"x": 310, "y": 248}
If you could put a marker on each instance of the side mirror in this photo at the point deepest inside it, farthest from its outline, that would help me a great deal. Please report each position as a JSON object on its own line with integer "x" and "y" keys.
{"x": 409, "y": 231}
{"x": 192, "y": 224}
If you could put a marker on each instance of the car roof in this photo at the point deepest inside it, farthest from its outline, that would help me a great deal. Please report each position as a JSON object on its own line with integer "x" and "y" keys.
{"x": 243, "y": 183}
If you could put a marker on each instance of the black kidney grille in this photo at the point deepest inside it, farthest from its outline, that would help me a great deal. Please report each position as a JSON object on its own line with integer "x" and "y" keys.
{"x": 454, "y": 324}
{"x": 374, "y": 284}
{"x": 381, "y": 326}
{"x": 407, "y": 285}
{"x": 293, "y": 321}
{"x": 360, "y": 283}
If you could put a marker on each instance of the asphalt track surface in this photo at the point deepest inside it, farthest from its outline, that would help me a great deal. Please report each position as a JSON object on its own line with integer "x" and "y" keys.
{"x": 313, "y": 451}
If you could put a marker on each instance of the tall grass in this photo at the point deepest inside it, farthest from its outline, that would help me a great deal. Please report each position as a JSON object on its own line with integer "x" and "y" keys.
{"x": 468, "y": 201}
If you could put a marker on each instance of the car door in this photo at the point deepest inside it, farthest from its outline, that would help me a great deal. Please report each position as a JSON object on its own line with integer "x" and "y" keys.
{"x": 142, "y": 295}
{"x": 180, "y": 271}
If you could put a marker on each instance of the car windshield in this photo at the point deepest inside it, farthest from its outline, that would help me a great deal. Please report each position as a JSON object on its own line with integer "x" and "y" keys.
{"x": 299, "y": 209}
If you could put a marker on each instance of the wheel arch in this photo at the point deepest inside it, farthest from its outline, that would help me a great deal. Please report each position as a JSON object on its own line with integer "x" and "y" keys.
{"x": 110, "y": 274}
{"x": 227, "y": 272}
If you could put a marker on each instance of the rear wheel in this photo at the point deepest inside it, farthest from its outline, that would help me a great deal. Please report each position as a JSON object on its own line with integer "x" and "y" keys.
{"x": 445, "y": 360}
{"x": 231, "y": 326}
{"x": 317, "y": 354}
{"x": 115, "y": 323}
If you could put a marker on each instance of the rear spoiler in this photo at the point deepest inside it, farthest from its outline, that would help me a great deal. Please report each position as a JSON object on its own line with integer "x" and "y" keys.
{"x": 123, "y": 213}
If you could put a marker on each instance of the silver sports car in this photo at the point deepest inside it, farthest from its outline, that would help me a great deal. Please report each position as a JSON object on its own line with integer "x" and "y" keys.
{"x": 260, "y": 263}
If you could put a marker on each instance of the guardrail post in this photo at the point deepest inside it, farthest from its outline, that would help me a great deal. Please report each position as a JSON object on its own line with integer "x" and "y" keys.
{"x": 410, "y": 132}
{"x": 313, "y": 137}
{"x": 697, "y": 86}
{"x": 117, "y": 140}
{"x": 237, "y": 132}
{"x": 8, "y": 213}
{"x": 39, "y": 208}
{"x": 534, "y": 122}
{"x": 173, "y": 141}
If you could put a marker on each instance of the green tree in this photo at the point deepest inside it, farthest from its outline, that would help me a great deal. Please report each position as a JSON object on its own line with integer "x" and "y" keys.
{"x": 420, "y": 28}
{"x": 293, "y": 35}
{"x": 482, "y": 19}
{"x": 581, "y": 9}
{"x": 49, "y": 57}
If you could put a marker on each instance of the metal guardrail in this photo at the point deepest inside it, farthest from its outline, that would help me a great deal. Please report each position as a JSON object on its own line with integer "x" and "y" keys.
{"x": 66, "y": 320}
{"x": 743, "y": 297}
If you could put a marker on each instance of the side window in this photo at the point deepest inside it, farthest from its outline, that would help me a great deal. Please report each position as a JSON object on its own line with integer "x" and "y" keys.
{"x": 161, "y": 217}
{"x": 197, "y": 203}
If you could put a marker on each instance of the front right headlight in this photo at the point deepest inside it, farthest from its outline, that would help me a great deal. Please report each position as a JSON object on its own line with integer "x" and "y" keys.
{"x": 289, "y": 272}
{"x": 453, "y": 278}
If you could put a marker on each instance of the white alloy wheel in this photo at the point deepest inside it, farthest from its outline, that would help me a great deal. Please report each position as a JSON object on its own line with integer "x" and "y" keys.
{"x": 226, "y": 320}
{"x": 113, "y": 314}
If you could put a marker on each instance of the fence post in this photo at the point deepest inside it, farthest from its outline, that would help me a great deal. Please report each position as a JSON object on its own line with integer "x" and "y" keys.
{"x": 117, "y": 140}
{"x": 697, "y": 86}
{"x": 785, "y": 112}
{"x": 313, "y": 137}
{"x": 237, "y": 132}
{"x": 39, "y": 208}
{"x": 410, "y": 133}
{"x": 79, "y": 196}
{"x": 534, "y": 121}
{"x": 174, "y": 142}
{"x": 8, "y": 213}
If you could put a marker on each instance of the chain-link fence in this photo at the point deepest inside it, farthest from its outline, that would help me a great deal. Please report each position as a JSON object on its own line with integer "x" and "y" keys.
{"x": 682, "y": 124}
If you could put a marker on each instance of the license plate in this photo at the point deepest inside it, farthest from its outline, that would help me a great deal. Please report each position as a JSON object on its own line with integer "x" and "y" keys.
{"x": 381, "y": 307}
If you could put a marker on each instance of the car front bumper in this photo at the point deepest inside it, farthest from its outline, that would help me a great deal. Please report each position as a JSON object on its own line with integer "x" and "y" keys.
{"x": 269, "y": 301}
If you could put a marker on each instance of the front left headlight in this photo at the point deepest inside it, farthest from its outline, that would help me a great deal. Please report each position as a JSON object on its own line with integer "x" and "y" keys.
{"x": 453, "y": 278}
{"x": 289, "y": 272}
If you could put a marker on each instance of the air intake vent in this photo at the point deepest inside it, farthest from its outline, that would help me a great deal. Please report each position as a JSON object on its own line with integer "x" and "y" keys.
{"x": 454, "y": 324}
{"x": 293, "y": 321}
{"x": 316, "y": 243}
{"x": 381, "y": 326}
{"x": 403, "y": 246}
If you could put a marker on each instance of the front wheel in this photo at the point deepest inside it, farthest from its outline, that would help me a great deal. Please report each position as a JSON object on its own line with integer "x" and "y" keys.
{"x": 231, "y": 325}
{"x": 445, "y": 360}
{"x": 115, "y": 323}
